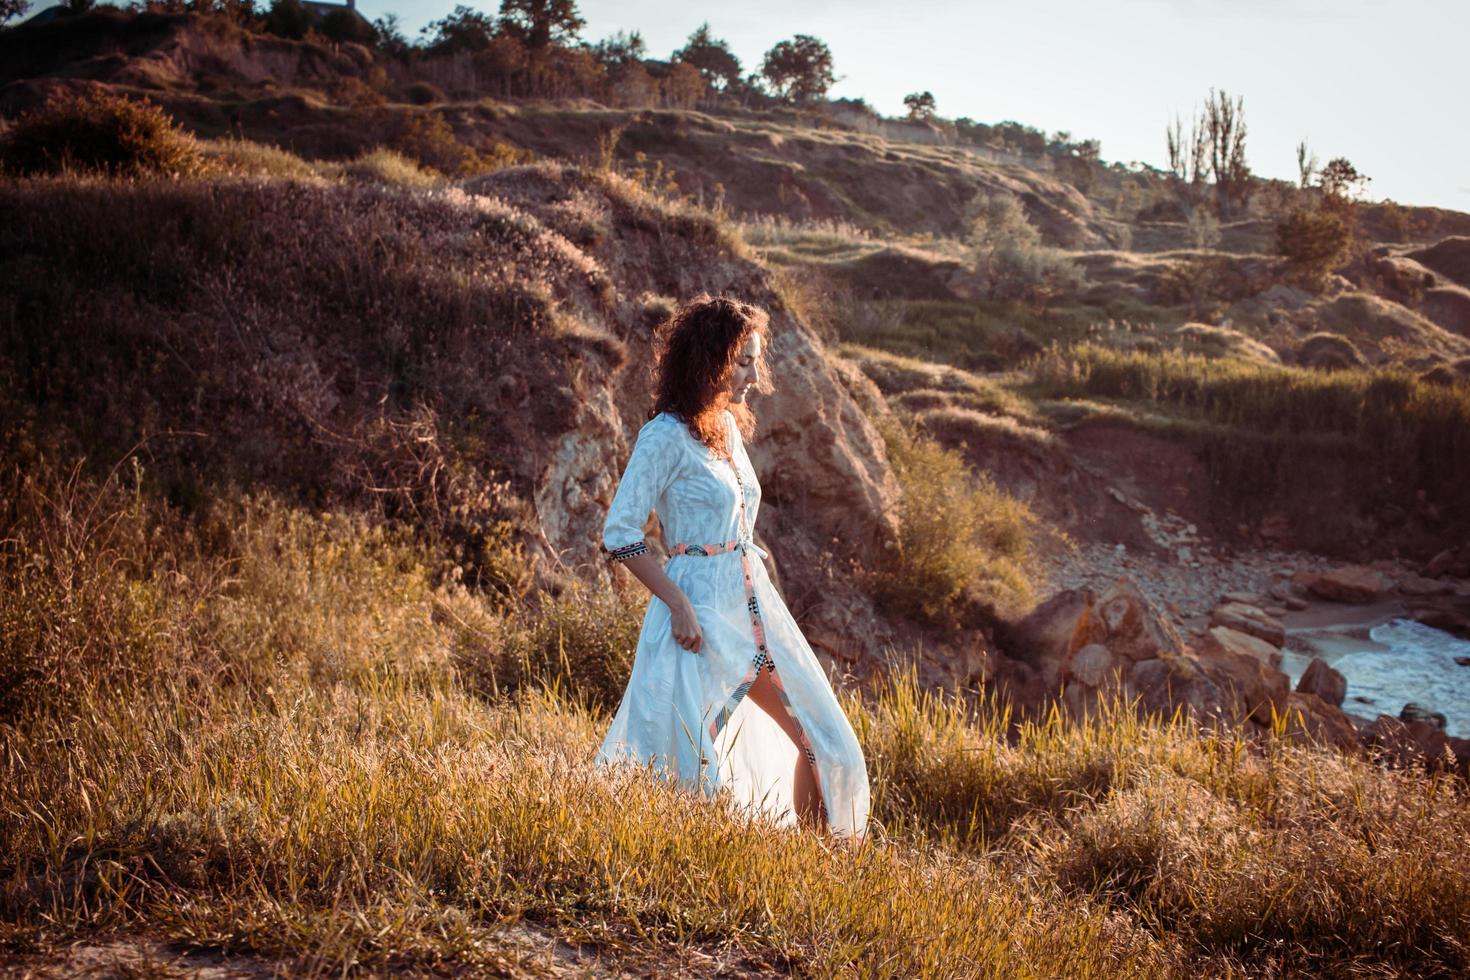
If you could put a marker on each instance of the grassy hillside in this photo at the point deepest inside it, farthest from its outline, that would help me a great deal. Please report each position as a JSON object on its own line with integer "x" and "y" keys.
{"x": 273, "y": 731}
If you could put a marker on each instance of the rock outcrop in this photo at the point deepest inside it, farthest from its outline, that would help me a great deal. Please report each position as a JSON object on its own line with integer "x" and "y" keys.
{"x": 1079, "y": 645}
{"x": 1324, "y": 682}
{"x": 1350, "y": 583}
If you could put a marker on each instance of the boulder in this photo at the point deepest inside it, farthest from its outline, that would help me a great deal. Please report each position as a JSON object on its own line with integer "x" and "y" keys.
{"x": 1350, "y": 583}
{"x": 1056, "y": 629}
{"x": 1406, "y": 744}
{"x": 1164, "y": 685}
{"x": 1092, "y": 665}
{"x": 1132, "y": 628}
{"x": 1413, "y": 711}
{"x": 1452, "y": 562}
{"x": 1257, "y": 687}
{"x": 1418, "y": 585}
{"x": 1324, "y": 682}
{"x": 1452, "y": 616}
{"x": 1311, "y": 719}
{"x": 1224, "y": 638}
{"x": 1440, "y": 564}
{"x": 1303, "y": 581}
{"x": 1249, "y": 619}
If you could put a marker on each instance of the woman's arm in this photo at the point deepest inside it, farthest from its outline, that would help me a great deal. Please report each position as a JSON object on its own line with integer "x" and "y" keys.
{"x": 652, "y": 466}
{"x": 686, "y": 625}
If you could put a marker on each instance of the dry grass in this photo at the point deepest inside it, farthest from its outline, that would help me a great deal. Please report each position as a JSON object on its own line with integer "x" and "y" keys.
{"x": 387, "y": 166}
{"x": 898, "y": 377}
{"x": 293, "y": 762}
{"x": 312, "y": 776}
{"x": 248, "y": 158}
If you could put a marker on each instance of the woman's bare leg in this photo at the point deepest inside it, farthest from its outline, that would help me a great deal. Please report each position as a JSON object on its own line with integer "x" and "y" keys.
{"x": 804, "y": 790}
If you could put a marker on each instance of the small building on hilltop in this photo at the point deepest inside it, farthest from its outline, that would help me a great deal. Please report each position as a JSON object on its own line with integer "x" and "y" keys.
{"x": 321, "y": 10}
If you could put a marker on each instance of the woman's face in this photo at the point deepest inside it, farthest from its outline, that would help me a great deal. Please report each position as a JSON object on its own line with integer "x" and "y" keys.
{"x": 744, "y": 377}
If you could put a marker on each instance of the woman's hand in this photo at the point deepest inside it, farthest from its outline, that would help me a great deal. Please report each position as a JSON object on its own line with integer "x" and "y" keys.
{"x": 686, "y": 625}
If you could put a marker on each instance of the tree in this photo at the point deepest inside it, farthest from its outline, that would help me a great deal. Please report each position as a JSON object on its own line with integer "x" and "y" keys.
{"x": 344, "y": 25}
{"x": 540, "y": 23}
{"x": 1187, "y": 158}
{"x": 799, "y": 70}
{"x": 712, "y": 58}
{"x": 288, "y": 18}
{"x": 1215, "y": 148}
{"x": 1225, "y": 126}
{"x": 1341, "y": 182}
{"x": 1306, "y": 165}
{"x": 463, "y": 29}
{"x": 13, "y": 8}
{"x": 619, "y": 50}
{"x": 390, "y": 37}
{"x": 919, "y": 104}
{"x": 684, "y": 86}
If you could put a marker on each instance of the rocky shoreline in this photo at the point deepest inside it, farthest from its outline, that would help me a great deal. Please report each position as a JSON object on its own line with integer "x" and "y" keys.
{"x": 1246, "y": 636}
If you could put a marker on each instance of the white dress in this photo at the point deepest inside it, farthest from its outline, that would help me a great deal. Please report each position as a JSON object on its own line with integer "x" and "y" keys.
{"x": 684, "y": 712}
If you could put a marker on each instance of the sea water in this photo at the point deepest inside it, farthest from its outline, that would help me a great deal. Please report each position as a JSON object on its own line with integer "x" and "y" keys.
{"x": 1412, "y": 662}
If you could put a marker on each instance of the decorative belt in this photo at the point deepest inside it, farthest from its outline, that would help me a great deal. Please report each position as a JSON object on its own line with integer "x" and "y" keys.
{"x": 763, "y": 656}
{"x": 716, "y": 549}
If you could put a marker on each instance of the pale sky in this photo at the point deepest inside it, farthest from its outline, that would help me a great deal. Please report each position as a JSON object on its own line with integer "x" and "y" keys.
{"x": 1382, "y": 83}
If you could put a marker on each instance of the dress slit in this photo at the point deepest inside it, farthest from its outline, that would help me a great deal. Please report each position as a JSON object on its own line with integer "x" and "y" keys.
{"x": 763, "y": 658}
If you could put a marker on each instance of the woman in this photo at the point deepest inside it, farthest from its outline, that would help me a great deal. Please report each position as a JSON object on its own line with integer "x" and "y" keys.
{"x": 724, "y": 692}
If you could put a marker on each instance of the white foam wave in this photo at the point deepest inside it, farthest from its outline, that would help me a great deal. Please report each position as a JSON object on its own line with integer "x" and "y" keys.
{"x": 1418, "y": 665}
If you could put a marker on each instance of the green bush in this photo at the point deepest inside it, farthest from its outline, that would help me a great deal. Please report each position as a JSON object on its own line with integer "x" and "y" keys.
{"x": 1008, "y": 258}
{"x": 1315, "y": 243}
{"x": 960, "y": 536}
{"x": 98, "y": 132}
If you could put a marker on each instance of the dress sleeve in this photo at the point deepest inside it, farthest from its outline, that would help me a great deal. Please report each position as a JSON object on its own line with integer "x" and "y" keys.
{"x": 651, "y": 468}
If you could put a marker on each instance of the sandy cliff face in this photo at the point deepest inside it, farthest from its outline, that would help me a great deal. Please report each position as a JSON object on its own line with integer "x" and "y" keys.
{"x": 822, "y": 465}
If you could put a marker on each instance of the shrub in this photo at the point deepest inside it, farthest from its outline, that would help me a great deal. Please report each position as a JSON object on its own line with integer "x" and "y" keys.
{"x": 243, "y": 156}
{"x": 431, "y": 141}
{"x": 101, "y": 133}
{"x": 1330, "y": 352}
{"x": 959, "y": 535}
{"x": 1315, "y": 242}
{"x": 1204, "y": 283}
{"x": 578, "y": 645}
{"x": 1008, "y": 258}
{"x": 423, "y": 93}
{"x": 388, "y": 167}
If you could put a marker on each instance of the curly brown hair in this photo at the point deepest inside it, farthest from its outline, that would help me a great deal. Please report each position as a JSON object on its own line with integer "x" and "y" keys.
{"x": 695, "y": 352}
